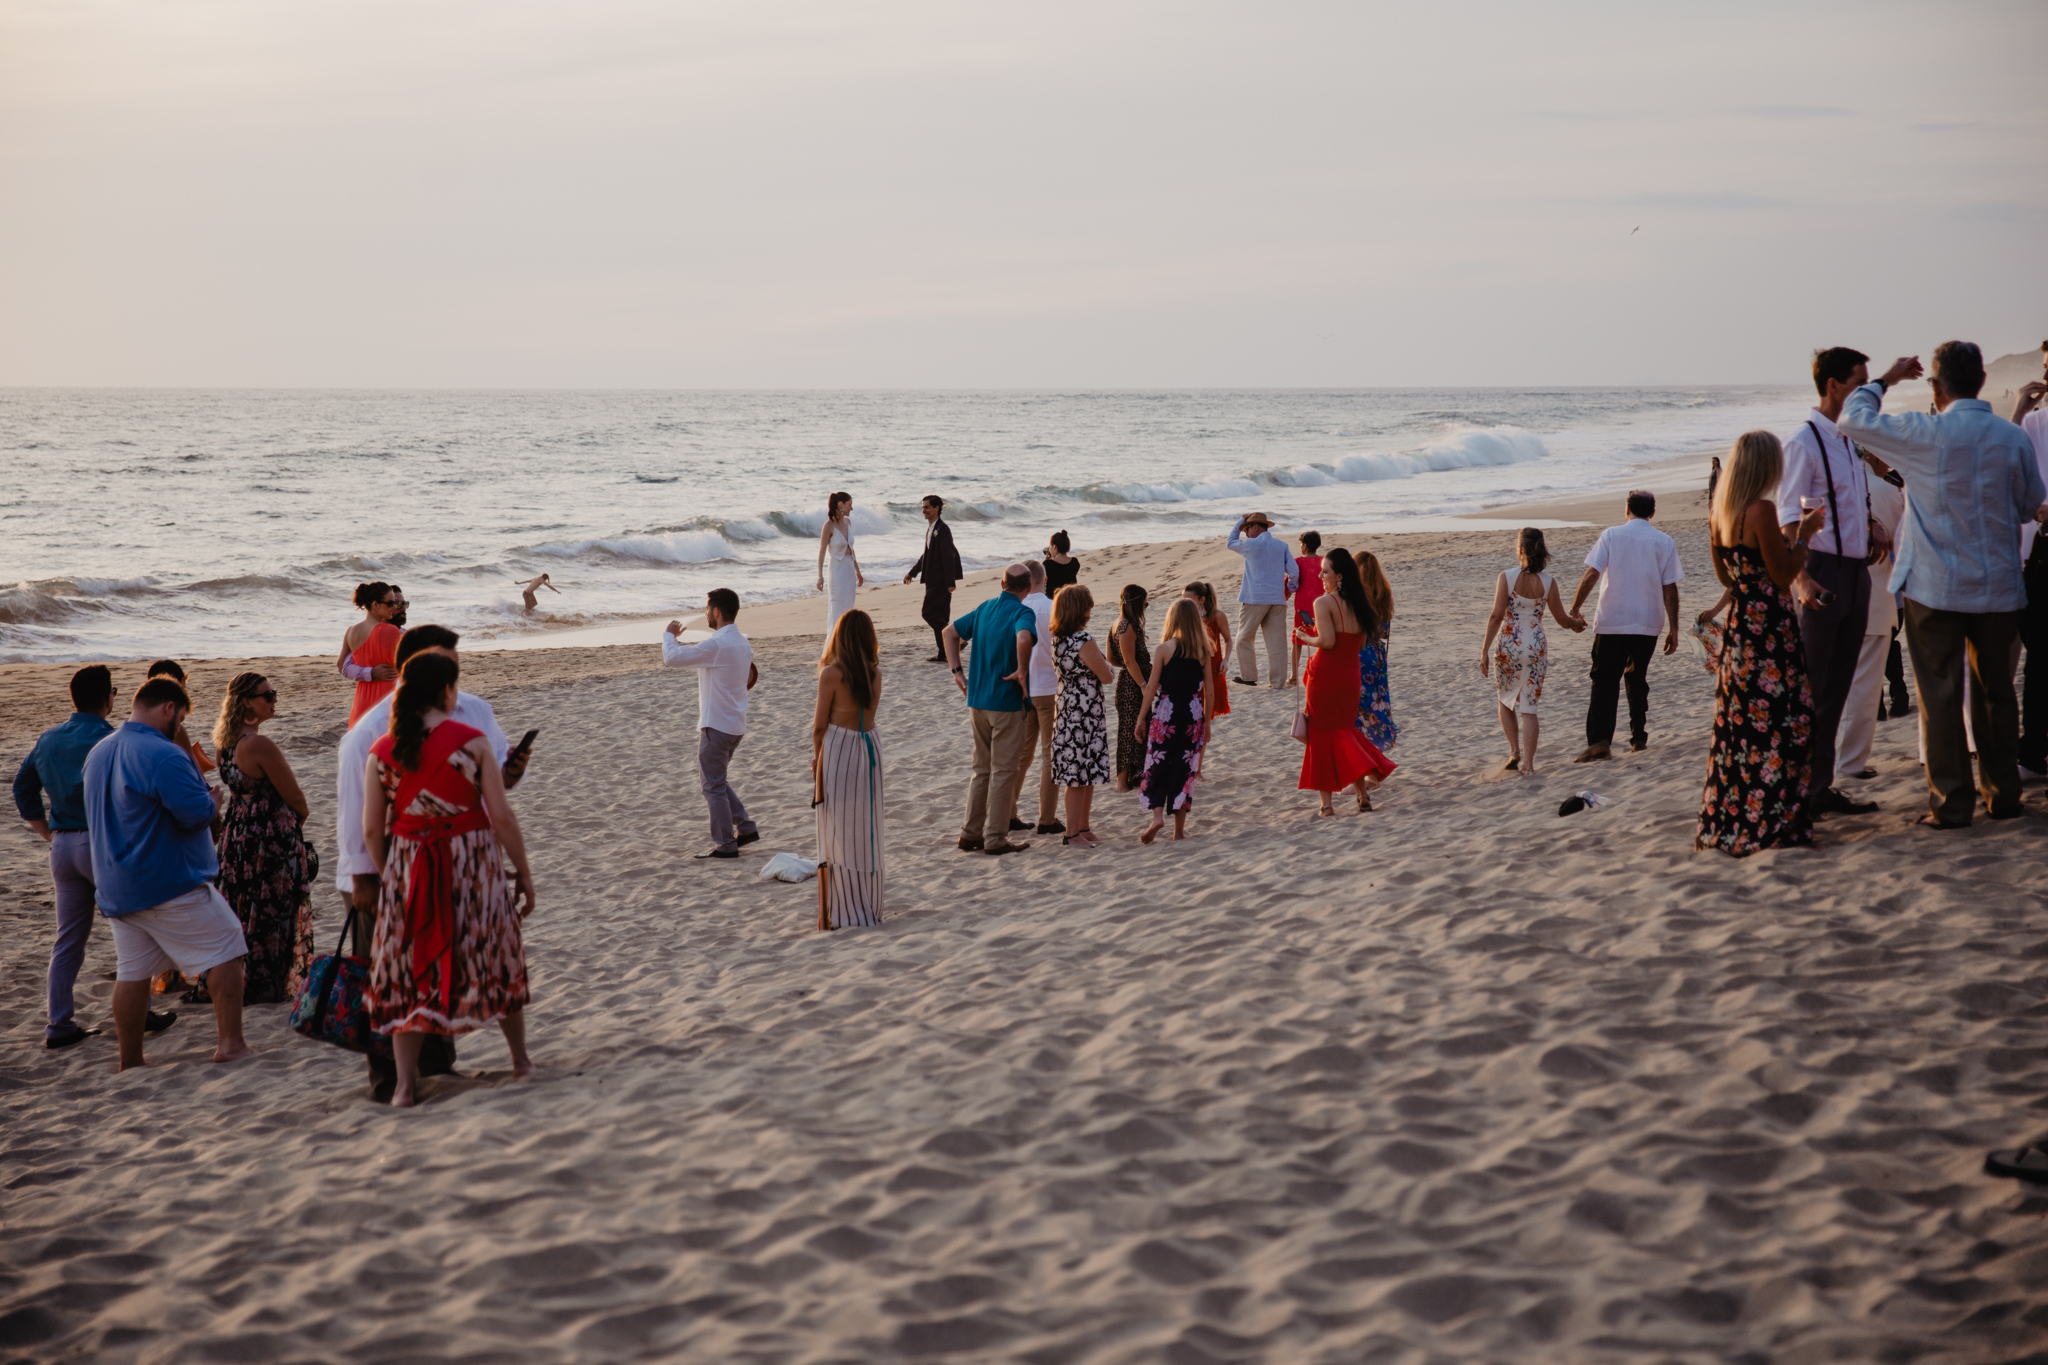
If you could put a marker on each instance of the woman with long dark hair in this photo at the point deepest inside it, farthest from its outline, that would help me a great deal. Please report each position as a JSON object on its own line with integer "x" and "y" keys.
{"x": 369, "y": 648}
{"x": 1375, "y": 706}
{"x": 446, "y": 956}
{"x": 1218, "y": 627}
{"x": 1519, "y": 664}
{"x": 1337, "y": 753}
{"x": 835, "y": 542}
{"x": 1133, "y": 660}
{"x": 263, "y": 872}
{"x": 846, "y": 775}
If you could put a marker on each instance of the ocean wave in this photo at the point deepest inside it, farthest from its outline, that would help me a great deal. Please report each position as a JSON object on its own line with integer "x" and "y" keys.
{"x": 867, "y": 521}
{"x": 680, "y": 547}
{"x": 46, "y": 601}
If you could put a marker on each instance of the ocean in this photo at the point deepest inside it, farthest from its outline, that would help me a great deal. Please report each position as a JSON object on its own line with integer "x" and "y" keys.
{"x": 205, "y": 524}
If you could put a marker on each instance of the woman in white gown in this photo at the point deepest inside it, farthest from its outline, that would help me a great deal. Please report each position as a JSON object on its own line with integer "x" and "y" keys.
{"x": 835, "y": 541}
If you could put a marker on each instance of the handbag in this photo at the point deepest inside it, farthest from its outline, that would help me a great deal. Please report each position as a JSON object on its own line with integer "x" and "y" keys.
{"x": 1301, "y": 725}
{"x": 330, "y": 1005}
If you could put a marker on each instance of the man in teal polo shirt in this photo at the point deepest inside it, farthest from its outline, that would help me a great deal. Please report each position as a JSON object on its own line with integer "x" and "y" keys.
{"x": 1002, "y": 631}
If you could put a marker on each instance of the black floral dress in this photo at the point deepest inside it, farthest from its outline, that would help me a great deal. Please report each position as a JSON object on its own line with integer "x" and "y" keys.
{"x": 263, "y": 876}
{"x": 1173, "y": 746}
{"x": 1758, "y": 768}
{"x": 1080, "y": 728}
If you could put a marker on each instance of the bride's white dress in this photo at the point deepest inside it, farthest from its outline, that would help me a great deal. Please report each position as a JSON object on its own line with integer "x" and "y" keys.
{"x": 838, "y": 577}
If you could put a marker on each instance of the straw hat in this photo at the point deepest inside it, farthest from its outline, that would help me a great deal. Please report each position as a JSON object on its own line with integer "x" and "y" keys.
{"x": 1257, "y": 519}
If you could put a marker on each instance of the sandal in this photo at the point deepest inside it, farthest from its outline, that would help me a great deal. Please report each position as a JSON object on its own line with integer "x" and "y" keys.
{"x": 1086, "y": 835}
{"x": 2029, "y": 1163}
{"x": 1365, "y": 803}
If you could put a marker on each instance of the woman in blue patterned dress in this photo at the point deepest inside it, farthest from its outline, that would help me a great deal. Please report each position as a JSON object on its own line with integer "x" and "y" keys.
{"x": 1375, "y": 709}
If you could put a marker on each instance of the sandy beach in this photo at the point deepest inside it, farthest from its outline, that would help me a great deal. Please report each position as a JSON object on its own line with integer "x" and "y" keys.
{"x": 1454, "y": 1080}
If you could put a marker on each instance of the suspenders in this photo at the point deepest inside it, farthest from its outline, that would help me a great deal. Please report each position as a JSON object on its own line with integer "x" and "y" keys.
{"x": 1829, "y": 474}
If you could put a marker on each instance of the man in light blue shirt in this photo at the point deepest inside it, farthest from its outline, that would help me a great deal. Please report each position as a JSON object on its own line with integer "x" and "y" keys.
{"x": 1270, "y": 577}
{"x": 1971, "y": 481}
{"x": 150, "y": 816}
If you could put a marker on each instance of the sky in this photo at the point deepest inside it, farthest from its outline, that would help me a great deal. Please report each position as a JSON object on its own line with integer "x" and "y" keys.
{"x": 900, "y": 194}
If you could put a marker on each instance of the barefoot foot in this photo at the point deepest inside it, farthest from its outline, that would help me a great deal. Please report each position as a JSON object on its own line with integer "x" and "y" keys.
{"x": 233, "y": 1052}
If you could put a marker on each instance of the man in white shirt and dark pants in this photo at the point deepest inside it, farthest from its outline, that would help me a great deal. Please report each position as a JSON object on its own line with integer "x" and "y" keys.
{"x": 725, "y": 665}
{"x": 1038, "y": 717}
{"x": 1859, "y": 713}
{"x": 2033, "y": 419}
{"x": 1821, "y": 465}
{"x": 1636, "y": 566}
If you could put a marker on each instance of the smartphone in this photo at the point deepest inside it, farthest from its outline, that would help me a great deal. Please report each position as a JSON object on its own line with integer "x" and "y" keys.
{"x": 525, "y": 742}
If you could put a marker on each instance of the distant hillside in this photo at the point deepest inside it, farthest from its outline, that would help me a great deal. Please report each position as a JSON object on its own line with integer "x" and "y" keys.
{"x": 2003, "y": 377}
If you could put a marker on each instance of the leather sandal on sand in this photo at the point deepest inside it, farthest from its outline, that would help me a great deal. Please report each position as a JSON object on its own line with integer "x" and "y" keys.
{"x": 2029, "y": 1163}
{"x": 1365, "y": 803}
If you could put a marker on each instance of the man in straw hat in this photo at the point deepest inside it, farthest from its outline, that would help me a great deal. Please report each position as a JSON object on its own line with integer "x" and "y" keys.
{"x": 1270, "y": 578}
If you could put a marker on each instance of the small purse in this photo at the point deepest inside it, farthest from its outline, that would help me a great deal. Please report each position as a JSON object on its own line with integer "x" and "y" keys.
{"x": 1301, "y": 725}
{"x": 330, "y": 1005}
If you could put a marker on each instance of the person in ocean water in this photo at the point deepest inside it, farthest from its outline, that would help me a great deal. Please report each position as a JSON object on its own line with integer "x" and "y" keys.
{"x": 530, "y": 589}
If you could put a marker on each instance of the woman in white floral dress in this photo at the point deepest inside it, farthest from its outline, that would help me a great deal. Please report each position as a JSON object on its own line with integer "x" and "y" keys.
{"x": 1519, "y": 657}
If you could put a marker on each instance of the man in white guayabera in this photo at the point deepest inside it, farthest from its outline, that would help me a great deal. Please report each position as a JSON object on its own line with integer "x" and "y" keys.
{"x": 725, "y": 670}
{"x": 1636, "y": 566}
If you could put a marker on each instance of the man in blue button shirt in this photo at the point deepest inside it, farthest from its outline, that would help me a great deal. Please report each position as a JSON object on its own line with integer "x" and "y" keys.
{"x": 1270, "y": 578}
{"x": 1971, "y": 480}
{"x": 150, "y": 815}
{"x": 998, "y": 688}
{"x": 56, "y": 767}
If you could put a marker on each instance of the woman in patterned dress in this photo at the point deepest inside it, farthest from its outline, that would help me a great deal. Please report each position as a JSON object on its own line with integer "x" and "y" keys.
{"x": 1174, "y": 719}
{"x": 446, "y": 956}
{"x": 1520, "y": 662}
{"x": 1336, "y": 753}
{"x": 1133, "y": 660}
{"x": 1080, "y": 729}
{"x": 1375, "y": 708}
{"x": 1758, "y": 766}
{"x": 263, "y": 872}
{"x": 846, "y": 775}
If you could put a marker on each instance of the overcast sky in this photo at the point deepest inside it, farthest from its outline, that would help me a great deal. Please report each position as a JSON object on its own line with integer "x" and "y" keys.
{"x": 595, "y": 194}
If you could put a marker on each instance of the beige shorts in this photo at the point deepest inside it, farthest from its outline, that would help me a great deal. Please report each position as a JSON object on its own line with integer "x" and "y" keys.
{"x": 194, "y": 933}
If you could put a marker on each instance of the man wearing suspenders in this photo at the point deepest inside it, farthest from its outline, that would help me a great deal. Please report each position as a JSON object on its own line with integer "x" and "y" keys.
{"x": 1821, "y": 463}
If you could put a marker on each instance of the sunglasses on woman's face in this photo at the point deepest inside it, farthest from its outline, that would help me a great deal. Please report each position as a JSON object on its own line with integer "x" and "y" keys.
{"x": 270, "y": 696}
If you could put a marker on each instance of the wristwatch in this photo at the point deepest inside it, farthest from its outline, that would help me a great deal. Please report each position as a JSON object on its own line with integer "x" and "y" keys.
{"x": 960, "y": 668}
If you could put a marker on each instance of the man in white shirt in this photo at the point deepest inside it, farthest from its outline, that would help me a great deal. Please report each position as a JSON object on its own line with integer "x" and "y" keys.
{"x": 1860, "y": 711}
{"x": 1821, "y": 465}
{"x": 355, "y": 874}
{"x": 725, "y": 670}
{"x": 1038, "y": 715}
{"x": 2033, "y": 419}
{"x": 1636, "y": 566}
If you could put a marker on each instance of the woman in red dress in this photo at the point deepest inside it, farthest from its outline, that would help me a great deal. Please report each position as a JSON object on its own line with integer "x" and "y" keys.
{"x": 1338, "y": 754}
{"x": 1218, "y": 627}
{"x": 446, "y": 956}
{"x": 369, "y": 651}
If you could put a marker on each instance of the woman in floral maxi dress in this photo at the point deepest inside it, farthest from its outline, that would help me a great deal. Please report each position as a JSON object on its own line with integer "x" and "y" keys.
{"x": 263, "y": 871}
{"x": 1758, "y": 766}
{"x": 446, "y": 956}
{"x": 1174, "y": 720}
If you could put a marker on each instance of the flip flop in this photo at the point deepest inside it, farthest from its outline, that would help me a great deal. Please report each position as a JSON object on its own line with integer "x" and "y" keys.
{"x": 2029, "y": 1163}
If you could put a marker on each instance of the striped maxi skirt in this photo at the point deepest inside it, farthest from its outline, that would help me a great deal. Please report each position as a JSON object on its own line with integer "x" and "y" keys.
{"x": 849, "y": 829}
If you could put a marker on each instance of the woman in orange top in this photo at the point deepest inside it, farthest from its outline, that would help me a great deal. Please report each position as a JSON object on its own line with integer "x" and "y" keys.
{"x": 1218, "y": 627}
{"x": 369, "y": 651}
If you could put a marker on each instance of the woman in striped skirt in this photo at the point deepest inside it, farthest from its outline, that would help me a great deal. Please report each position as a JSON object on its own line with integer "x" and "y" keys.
{"x": 846, "y": 774}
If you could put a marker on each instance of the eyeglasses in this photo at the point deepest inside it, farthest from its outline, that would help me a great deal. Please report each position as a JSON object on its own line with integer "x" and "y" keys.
{"x": 270, "y": 696}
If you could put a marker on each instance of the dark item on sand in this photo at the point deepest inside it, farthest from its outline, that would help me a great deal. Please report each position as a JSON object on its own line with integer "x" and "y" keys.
{"x": 1572, "y": 805}
{"x": 2029, "y": 1163}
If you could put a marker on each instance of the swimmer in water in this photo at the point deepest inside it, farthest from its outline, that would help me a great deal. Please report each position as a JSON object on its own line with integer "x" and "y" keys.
{"x": 530, "y": 589}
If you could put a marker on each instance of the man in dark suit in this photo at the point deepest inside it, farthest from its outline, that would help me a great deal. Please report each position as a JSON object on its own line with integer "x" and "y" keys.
{"x": 940, "y": 567}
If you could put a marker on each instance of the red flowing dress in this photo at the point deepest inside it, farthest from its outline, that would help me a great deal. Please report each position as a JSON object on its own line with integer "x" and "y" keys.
{"x": 1337, "y": 754}
{"x": 380, "y": 647}
{"x": 1219, "y": 650}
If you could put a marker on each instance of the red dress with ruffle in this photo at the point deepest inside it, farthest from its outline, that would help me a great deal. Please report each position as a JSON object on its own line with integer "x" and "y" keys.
{"x": 1337, "y": 753}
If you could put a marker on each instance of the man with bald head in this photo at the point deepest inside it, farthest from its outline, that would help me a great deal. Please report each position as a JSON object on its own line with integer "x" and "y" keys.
{"x": 1002, "y": 632}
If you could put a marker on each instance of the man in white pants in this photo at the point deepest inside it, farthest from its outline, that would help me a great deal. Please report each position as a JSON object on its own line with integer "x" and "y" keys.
{"x": 1859, "y": 712}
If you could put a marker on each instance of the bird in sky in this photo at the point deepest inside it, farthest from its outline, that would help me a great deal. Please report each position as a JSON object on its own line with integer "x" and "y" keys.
{"x": 1634, "y": 230}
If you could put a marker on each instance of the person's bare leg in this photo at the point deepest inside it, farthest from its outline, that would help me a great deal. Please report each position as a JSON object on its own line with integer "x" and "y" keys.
{"x": 1152, "y": 830}
{"x": 1324, "y": 805}
{"x": 1180, "y": 824}
{"x": 513, "y": 1026}
{"x": 1508, "y": 728}
{"x": 224, "y": 983}
{"x": 406, "y": 1048}
{"x": 131, "y": 1014}
{"x": 1293, "y": 660}
{"x": 1528, "y": 744}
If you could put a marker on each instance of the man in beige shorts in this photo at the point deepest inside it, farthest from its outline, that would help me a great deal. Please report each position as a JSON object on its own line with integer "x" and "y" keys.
{"x": 149, "y": 815}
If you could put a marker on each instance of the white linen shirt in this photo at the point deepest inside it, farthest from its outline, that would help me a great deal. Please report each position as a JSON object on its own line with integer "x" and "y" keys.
{"x": 1888, "y": 508}
{"x": 1635, "y": 561}
{"x": 1805, "y": 477}
{"x": 721, "y": 662}
{"x": 2035, "y": 424}
{"x": 351, "y": 770}
{"x": 1044, "y": 680}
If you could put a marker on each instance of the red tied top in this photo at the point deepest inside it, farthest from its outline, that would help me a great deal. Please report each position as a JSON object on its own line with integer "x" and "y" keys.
{"x": 430, "y": 891}
{"x": 380, "y": 646}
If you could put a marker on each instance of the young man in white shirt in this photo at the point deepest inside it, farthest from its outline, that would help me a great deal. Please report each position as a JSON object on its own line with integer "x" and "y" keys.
{"x": 725, "y": 670}
{"x": 2033, "y": 419}
{"x": 1821, "y": 464}
{"x": 1636, "y": 566}
{"x": 1039, "y": 714}
{"x": 1860, "y": 712}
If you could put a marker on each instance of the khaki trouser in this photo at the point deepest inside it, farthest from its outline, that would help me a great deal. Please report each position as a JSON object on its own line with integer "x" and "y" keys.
{"x": 1272, "y": 618}
{"x": 1945, "y": 645}
{"x": 992, "y": 792}
{"x": 1037, "y": 739}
